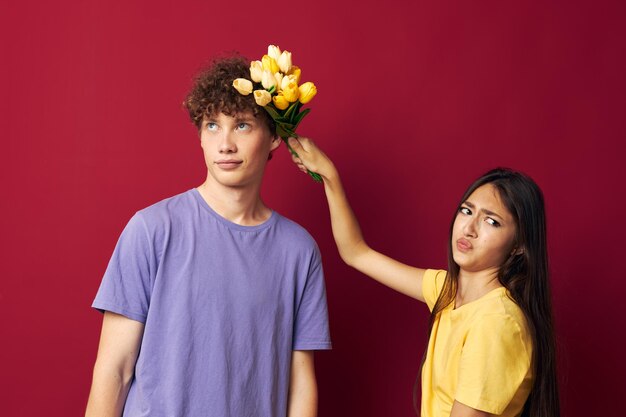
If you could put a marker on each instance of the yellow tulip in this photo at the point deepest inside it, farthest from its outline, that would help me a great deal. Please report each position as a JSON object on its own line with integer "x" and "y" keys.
{"x": 307, "y": 92}
{"x": 243, "y": 86}
{"x": 291, "y": 92}
{"x": 280, "y": 101}
{"x": 269, "y": 64}
{"x": 256, "y": 71}
{"x": 274, "y": 52}
{"x": 295, "y": 71}
{"x": 262, "y": 97}
{"x": 268, "y": 80}
{"x": 284, "y": 62}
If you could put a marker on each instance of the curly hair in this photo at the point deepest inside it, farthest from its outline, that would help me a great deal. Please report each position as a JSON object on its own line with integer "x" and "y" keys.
{"x": 213, "y": 93}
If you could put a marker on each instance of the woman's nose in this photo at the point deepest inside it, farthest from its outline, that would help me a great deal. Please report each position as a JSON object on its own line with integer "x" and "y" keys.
{"x": 470, "y": 228}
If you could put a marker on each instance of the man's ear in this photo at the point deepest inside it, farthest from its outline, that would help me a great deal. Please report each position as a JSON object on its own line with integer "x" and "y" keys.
{"x": 275, "y": 144}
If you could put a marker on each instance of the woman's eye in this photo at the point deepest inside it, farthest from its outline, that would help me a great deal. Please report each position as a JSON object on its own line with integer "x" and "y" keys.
{"x": 492, "y": 222}
{"x": 465, "y": 210}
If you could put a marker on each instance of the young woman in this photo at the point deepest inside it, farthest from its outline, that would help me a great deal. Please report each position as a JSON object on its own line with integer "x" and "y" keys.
{"x": 491, "y": 347}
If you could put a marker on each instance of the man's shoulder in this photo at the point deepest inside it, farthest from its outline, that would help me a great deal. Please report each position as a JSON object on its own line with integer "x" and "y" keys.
{"x": 167, "y": 209}
{"x": 297, "y": 234}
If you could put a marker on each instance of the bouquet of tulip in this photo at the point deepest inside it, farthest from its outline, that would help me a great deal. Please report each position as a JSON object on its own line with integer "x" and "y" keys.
{"x": 275, "y": 83}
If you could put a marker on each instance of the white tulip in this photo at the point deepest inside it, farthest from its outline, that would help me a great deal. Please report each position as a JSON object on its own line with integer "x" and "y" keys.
{"x": 243, "y": 86}
{"x": 262, "y": 97}
{"x": 268, "y": 80}
{"x": 256, "y": 71}
{"x": 274, "y": 52}
{"x": 284, "y": 62}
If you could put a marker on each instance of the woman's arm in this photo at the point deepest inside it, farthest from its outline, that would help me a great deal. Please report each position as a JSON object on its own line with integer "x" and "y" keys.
{"x": 462, "y": 410}
{"x": 117, "y": 354}
{"x": 348, "y": 237}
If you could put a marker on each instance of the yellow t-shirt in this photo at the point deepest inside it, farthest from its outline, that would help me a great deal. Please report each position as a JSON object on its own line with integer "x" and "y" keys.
{"x": 478, "y": 354}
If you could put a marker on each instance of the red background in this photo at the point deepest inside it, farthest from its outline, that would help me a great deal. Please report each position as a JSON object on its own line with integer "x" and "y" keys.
{"x": 416, "y": 99}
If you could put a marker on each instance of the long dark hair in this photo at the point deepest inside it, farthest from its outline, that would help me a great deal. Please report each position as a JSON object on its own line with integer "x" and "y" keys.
{"x": 525, "y": 275}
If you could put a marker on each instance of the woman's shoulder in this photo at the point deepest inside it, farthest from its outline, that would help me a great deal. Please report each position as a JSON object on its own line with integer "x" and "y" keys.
{"x": 500, "y": 315}
{"x": 432, "y": 284}
{"x": 495, "y": 305}
{"x": 510, "y": 309}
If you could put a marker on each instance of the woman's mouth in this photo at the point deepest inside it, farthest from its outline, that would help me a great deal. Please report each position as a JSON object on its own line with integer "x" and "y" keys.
{"x": 463, "y": 245}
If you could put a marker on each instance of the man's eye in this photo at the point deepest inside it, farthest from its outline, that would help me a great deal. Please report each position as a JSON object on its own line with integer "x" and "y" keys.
{"x": 243, "y": 126}
{"x": 211, "y": 126}
{"x": 465, "y": 210}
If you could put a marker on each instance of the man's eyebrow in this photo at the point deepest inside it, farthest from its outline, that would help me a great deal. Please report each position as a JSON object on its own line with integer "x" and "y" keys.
{"x": 245, "y": 118}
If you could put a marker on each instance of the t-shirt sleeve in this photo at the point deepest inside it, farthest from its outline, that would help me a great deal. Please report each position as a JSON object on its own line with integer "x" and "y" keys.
{"x": 311, "y": 323}
{"x": 126, "y": 285}
{"x": 432, "y": 283}
{"x": 494, "y": 362}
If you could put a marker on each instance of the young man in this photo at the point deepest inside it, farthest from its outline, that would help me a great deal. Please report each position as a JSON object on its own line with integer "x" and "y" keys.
{"x": 213, "y": 303}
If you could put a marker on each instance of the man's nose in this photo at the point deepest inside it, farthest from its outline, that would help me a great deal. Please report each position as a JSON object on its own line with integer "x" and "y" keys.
{"x": 227, "y": 143}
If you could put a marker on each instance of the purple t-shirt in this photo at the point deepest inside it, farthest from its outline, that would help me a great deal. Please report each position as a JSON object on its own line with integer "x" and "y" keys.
{"x": 224, "y": 306}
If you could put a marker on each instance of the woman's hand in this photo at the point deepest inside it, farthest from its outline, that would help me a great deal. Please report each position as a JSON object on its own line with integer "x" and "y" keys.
{"x": 311, "y": 158}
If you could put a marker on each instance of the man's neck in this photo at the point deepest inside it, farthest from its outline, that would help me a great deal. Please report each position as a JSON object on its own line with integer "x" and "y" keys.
{"x": 242, "y": 206}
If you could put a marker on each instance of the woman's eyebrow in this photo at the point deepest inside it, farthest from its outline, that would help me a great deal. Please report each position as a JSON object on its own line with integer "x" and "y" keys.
{"x": 491, "y": 213}
{"x": 485, "y": 211}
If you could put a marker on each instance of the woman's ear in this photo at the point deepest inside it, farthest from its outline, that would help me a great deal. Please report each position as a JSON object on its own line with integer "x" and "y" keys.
{"x": 517, "y": 251}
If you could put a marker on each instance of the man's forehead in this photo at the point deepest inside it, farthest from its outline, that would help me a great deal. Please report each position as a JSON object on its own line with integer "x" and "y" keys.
{"x": 243, "y": 115}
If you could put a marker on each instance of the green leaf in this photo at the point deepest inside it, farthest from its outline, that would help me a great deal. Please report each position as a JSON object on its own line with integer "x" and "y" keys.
{"x": 295, "y": 115}
{"x": 285, "y": 125}
{"x": 299, "y": 117}
{"x": 292, "y": 107}
{"x": 285, "y": 131}
{"x": 272, "y": 112}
